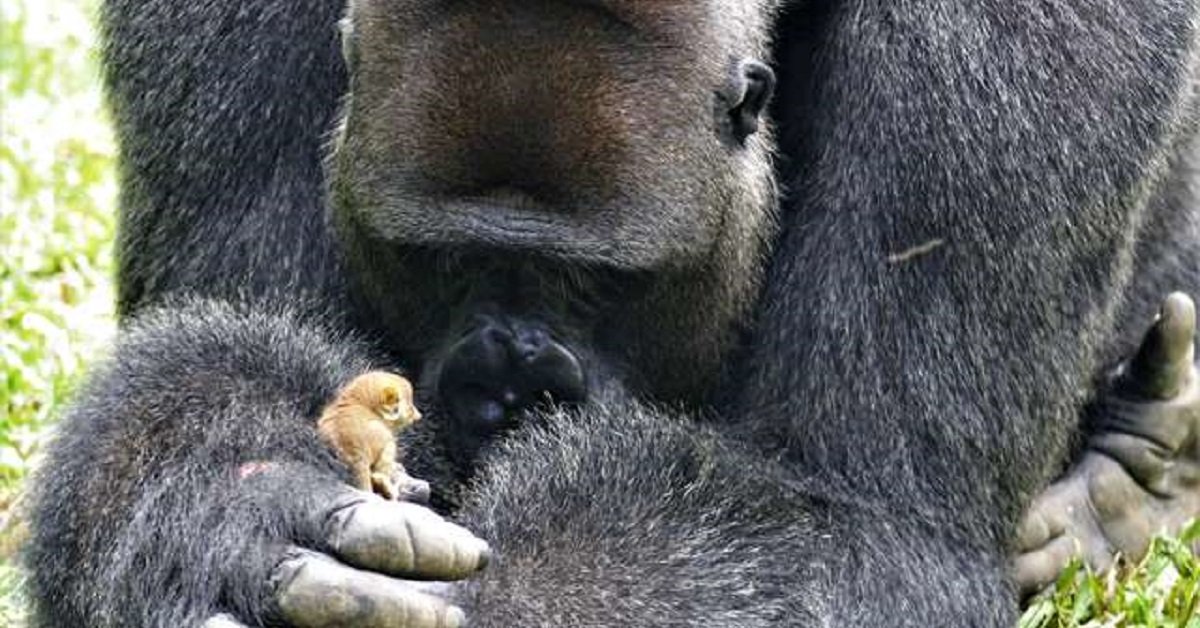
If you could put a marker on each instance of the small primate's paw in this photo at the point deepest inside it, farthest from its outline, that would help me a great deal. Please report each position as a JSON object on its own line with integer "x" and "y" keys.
{"x": 501, "y": 366}
{"x": 1140, "y": 473}
{"x": 383, "y": 486}
{"x": 400, "y": 486}
{"x": 410, "y": 489}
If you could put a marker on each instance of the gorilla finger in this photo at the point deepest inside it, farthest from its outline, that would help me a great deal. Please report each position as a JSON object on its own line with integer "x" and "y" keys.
{"x": 404, "y": 539}
{"x": 223, "y": 621}
{"x": 1163, "y": 364}
{"x": 1046, "y": 518}
{"x": 1034, "y": 571}
{"x": 315, "y": 591}
{"x": 1034, "y": 531}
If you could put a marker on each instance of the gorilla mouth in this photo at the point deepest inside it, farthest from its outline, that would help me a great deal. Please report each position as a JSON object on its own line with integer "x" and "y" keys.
{"x": 516, "y": 223}
{"x": 519, "y": 222}
{"x": 513, "y": 198}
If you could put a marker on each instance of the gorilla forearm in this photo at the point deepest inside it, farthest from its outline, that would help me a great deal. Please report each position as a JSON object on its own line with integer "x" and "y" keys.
{"x": 221, "y": 110}
{"x": 141, "y": 518}
{"x": 633, "y": 517}
{"x": 625, "y": 515}
{"x": 961, "y": 226}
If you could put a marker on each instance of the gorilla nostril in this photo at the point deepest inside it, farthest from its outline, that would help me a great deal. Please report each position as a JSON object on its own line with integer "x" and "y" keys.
{"x": 534, "y": 337}
{"x": 496, "y": 335}
{"x": 529, "y": 343}
{"x": 491, "y": 413}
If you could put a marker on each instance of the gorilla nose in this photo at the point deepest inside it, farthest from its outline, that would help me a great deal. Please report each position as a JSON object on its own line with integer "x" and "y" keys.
{"x": 500, "y": 367}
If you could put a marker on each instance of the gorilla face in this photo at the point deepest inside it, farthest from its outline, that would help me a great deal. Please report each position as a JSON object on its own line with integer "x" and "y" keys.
{"x": 586, "y": 174}
{"x": 588, "y": 131}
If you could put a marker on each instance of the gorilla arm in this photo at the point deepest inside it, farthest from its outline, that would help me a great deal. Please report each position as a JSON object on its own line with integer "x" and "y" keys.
{"x": 616, "y": 514}
{"x": 193, "y": 470}
{"x": 189, "y": 480}
{"x": 622, "y": 515}
{"x": 969, "y": 181}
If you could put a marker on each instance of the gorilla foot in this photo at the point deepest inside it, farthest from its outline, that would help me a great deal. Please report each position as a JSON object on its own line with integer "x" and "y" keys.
{"x": 1140, "y": 473}
{"x": 500, "y": 367}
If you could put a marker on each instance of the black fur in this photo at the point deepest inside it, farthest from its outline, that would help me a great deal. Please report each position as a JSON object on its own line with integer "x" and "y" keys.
{"x": 223, "y": 110}
{"x": 664, "y": 523}
{"x": 143, "y": 485}
{"x": 966, "y": 187}
{"x": 955, "y": 250}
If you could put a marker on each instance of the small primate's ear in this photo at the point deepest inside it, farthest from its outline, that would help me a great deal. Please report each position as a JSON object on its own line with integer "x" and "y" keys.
{"x": 391, "y": 396}
{"x": 743, "y": 100}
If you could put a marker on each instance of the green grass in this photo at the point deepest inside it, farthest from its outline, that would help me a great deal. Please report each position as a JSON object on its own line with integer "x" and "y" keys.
{"x": 56, "y": 219}
{"x": 56, "y": 226}
{"x": 1163, "y": 590}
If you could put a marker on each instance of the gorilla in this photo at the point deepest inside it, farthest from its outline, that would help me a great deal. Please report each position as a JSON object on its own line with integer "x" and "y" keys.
{"x": 660, "y": 398}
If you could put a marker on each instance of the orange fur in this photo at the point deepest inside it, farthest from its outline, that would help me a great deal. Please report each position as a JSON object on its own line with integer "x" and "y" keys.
{"x": 361, "y": 426}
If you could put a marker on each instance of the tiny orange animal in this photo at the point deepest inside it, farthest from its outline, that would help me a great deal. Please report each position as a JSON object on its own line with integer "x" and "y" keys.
{"x": 361, "y": 426}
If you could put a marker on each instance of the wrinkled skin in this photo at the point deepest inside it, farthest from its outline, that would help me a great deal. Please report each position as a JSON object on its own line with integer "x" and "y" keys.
{"x": 1140, "y": 472}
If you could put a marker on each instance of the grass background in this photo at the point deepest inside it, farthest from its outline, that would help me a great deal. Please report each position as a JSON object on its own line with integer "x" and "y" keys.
{"x": 56, "y": 228}
{"x": 57, "y": 194}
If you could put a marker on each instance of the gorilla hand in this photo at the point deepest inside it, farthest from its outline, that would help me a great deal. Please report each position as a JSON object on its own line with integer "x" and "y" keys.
{"x": 371, "y": 543}
{"x": 1140, "y": 472}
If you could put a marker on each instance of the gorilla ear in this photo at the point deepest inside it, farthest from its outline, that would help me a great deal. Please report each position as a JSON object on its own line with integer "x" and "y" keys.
{"x": 750, "y": 87}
